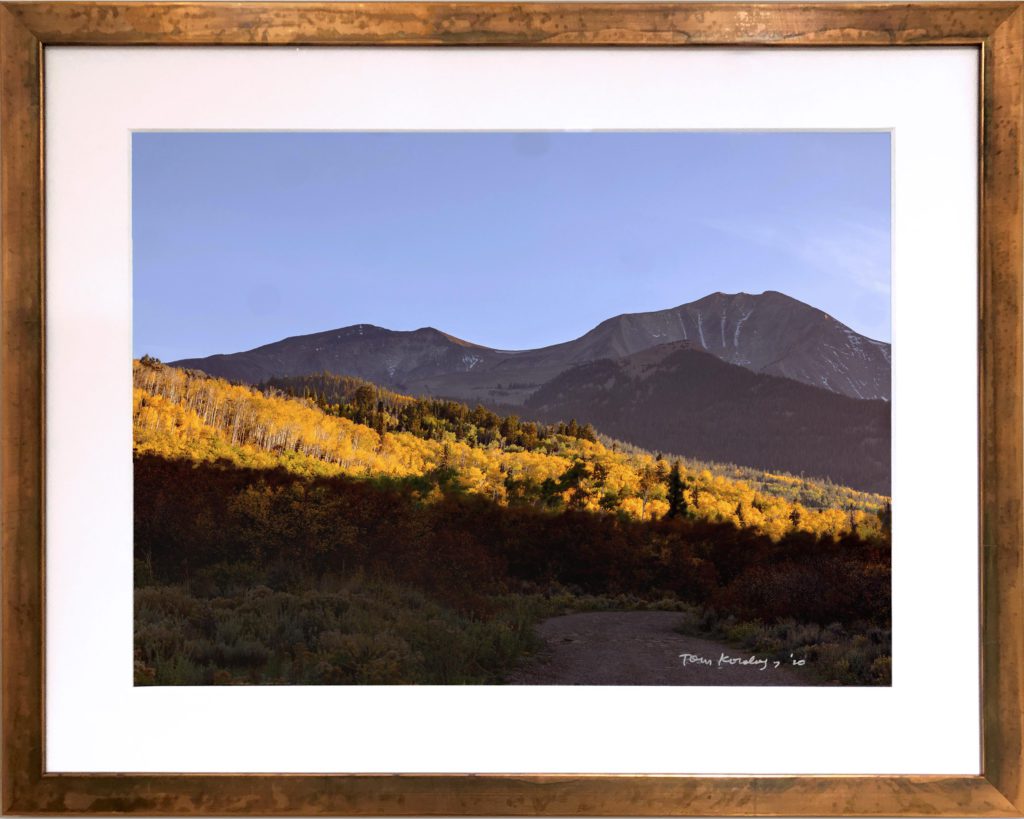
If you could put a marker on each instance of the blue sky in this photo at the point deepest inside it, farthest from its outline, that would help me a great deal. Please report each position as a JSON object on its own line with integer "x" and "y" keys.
{"x": 512, "y": 240}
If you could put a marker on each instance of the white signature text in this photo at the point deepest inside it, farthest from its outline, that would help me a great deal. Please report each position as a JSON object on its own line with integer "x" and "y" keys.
{"x": 725, "y": 660}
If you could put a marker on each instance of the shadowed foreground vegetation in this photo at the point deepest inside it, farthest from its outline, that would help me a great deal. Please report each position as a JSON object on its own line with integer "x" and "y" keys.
{"x": 835, "y": 654}
{"x": 265, "y": 576}
{"x": 347, "y": 631}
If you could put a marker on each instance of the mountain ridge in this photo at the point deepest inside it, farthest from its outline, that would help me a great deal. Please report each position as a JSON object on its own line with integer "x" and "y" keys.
{"x": 769, "y": 332}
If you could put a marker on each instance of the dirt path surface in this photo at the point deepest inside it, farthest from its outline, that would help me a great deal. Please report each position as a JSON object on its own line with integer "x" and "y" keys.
{"x": 636, "y": 648}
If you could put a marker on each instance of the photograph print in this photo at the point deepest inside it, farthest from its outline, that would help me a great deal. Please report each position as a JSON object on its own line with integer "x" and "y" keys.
{"x": 512, "y": 408}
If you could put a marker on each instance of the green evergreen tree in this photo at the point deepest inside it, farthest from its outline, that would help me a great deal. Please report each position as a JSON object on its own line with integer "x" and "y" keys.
{"x": 676, "y": 501}
{"x": 885, "y": 516}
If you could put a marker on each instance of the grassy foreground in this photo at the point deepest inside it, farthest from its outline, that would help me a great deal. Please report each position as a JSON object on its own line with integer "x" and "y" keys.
{"x": 347, "y": 632}
{"x": 358, "y": 631}
{"x": 835, "y": 654}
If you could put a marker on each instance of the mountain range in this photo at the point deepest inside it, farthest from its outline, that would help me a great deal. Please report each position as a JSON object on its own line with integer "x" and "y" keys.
{"x": 761, "y": 380}
{"x": 769, "y": 333}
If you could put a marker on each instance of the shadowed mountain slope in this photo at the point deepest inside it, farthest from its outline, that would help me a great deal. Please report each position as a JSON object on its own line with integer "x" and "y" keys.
{"x": 678, "y": 398}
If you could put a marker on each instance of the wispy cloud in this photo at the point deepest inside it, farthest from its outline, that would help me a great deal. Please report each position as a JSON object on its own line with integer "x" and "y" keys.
{"x": 852, "y": 250}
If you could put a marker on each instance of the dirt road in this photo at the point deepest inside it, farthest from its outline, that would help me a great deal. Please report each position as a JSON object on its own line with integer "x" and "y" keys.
{"x": 638, "y": 648}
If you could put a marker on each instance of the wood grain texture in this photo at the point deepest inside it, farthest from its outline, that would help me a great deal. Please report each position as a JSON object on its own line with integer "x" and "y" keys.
{"x": 996, "y": 28}
{"x": 1001, "y": 387}
{"x": 21, "y": 413}
{"x": 497, "y": 795}
{"x": 495, "y": 24}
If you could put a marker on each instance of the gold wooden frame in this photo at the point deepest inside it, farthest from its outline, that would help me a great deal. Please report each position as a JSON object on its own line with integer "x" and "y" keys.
{"x": 995, "y": 29}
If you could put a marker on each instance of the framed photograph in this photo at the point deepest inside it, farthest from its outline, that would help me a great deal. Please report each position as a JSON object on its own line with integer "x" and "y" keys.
{"x": 486, "y": 409}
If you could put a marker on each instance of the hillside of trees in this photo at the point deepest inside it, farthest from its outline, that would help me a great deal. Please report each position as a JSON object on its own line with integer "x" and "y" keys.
{"x": 429, "y": 418}
{"x": 437, "y": 419}
{"x": 343, "y": 534}
{"x": 446, "y": 446}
